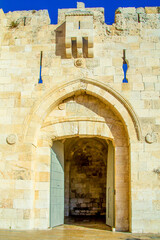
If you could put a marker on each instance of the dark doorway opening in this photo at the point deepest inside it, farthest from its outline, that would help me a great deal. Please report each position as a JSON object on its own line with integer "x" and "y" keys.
{"x": 85, "y": 171}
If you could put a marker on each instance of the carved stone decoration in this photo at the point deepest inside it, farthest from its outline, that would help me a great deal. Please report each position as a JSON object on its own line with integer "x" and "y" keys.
{"x": 150, "y": 138}
{"x": 11, "y": 139}
{"x": 83, "y": 86}
{"x": 61, "y": 106}
{"x": 157, "y": 171}
{"x": 78, "y": 63}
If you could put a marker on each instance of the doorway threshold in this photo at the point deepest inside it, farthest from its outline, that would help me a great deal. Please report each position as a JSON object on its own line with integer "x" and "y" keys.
{"x": 95, "y": 222}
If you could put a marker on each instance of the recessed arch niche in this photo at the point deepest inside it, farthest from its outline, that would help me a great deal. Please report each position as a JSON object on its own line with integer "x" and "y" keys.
{"x": 108, "y": 117}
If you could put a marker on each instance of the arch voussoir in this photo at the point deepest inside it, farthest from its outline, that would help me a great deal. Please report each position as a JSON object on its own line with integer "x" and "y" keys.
{"x": 103, "y": 92}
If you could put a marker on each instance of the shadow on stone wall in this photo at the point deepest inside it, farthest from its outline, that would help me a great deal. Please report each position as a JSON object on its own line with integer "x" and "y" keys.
{"x": 60, "y": 41}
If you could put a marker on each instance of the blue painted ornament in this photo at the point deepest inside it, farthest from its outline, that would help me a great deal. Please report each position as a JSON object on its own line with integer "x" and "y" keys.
{"x": 125, "y": 67}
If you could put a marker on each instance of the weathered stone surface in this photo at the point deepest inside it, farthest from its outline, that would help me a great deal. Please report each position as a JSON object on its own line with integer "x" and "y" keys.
{"x": 82, "y": 97}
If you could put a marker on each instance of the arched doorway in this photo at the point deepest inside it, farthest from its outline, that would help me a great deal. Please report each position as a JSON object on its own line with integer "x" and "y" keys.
{"x": 85, "y": 108}
{"x": 85, "y": 116}
{"x": 82, "y": 182}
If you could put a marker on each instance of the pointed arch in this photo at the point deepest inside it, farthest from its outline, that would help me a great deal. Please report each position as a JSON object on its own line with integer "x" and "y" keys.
{"x": 104, "y": 92}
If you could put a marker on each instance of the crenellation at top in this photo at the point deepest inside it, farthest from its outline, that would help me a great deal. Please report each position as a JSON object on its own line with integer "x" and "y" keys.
{"x": 141, "y": 15}
{"x": 124, "y": 17}
{"x": 98, "y": 12}
{"x": 132, "y": 21}
{"x": 80, "y": 5}
{"x": 32, "y": 18}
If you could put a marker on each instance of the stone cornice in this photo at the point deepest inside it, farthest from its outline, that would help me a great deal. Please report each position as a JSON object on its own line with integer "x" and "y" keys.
{"x": 79, "y": 13}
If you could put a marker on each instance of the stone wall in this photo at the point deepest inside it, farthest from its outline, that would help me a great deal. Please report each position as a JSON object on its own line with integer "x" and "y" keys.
{"x": 25, "y": 106}
{"x": 84, "y": 115}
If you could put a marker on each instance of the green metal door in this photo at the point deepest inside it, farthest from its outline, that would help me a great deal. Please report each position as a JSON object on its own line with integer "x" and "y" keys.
{"x": 57, "y": 185}
{"x": 110, "y": 193}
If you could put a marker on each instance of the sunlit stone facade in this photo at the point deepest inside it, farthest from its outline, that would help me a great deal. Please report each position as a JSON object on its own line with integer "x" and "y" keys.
{"x": 82, "y": 96}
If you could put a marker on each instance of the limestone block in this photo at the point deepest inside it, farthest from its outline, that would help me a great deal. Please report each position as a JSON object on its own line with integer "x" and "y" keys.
{"x": 42, "y": 186}
{"x": 117, "y": 62}
{"x": 152, "y": 147}
{"x": 147, "y": 45}
{"x": 134, "y": 62}
{"x": 27, "y": 214}
{"x": 140, "y": 10}
{"x": 4, "y": 73}
{"x": 80, "y": 5}
{"x": 22, "y": 204}
{"x": 70, "y": 129}
{"x": 6, "y": 223}
{"x": 68, "y": 52}
{"x": 44, "y": 213}
{"x": 158, "y": 45}
{"x": 68, "y": 42}
{"x": 131, "y": 39}
{"x": 107, "y": 62}
{"x": 152, "y": 62}
{"x": 121, "y": 151}
{"x": 118, "y": 80}
{"x": 149, "y": 86}
{"x": 28, "y": 48}
{"x": 156, "y": 104}
{"x": 149, "y": 95}
{"x": 3, "y": 136}
{"x": 10, "y": 213}
{"x": 90, "y": 42}
{"x": 151, "y": 10}
{"x": 147, "y": 112}
{"x": 138, "y": 86}
{"x": 142, "y": 205}
{"x": 44, "y": 195}
{"x": 108, "y": 71}
{"x": 5, "y": 79}
{"x": 12, "y": 157}
{"x": 42, "y": 204}
{"x": 157, "y": 86}
{"x": 43, "y": 151}
{"x": 86, "y": 25}
{"x": 134, "y": 46}
{"x": 90, "y": 53}
{"x": 44, "y": 160}
{"x": 79, "y": 42}
{"x": 2, "y": 15}
{"x": 158, "y": 121}
{"x": 128, "y": 10}
{"x": 41, "y": 223}
{"x": 150, "y": 79}
{"x": 137, "y": 103}
{"x": 79, "y": 52}
{"x": 42, "y": 176}
{"x": 82, "y": 127}
{"x": 135, "y": 95}
{"x": 156, "y": 205}
{"x": 23, "y": 184}
{"x": 156, "y": 70}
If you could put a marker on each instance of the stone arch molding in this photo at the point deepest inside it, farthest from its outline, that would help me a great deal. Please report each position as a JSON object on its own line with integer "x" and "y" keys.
{"x": 104, "y": 92}
{"x": 76, "y": 128}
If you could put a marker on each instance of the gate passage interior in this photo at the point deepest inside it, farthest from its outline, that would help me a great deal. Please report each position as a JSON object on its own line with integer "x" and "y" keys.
{"x": 81, "y": 176}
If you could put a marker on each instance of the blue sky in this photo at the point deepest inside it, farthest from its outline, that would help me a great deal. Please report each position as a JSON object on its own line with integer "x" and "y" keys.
{"x": 52, "y": 6}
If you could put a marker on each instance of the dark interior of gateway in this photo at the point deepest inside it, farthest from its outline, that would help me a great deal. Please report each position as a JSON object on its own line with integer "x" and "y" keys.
{"x": 85, "y": 182}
